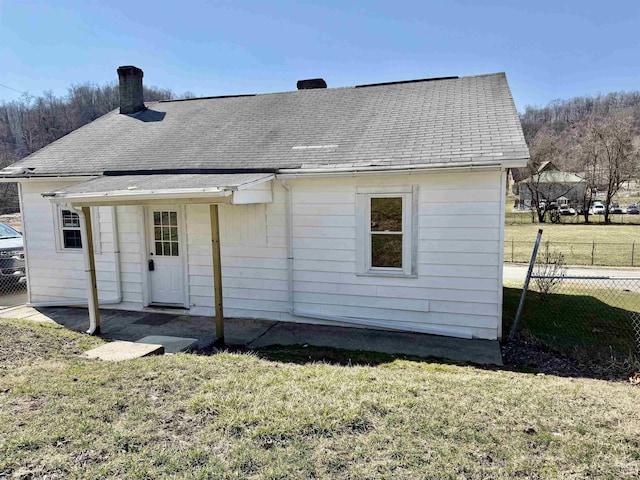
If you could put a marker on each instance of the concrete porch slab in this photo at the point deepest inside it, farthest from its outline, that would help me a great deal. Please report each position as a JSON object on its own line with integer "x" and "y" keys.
{"x": 482, "y": 352}
{"x": 122, "y": 325}
{"x": 118, "y": 351}
{"x": 171, "y": 344}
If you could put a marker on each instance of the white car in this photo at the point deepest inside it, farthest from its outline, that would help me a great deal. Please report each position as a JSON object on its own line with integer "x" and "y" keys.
{"x": 597, "y": 209}
{"x": 566, "y": 210}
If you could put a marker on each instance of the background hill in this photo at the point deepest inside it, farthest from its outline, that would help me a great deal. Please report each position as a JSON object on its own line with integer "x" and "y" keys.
{"x": 33, "y": 122}
{"x": 564, "y": 115}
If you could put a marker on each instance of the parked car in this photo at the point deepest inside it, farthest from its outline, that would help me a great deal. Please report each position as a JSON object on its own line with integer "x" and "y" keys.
{"x": 597, "y": 209}
{"x": 12, "y": 267}
{"x": 633, "y": 209}
{"x": 615, "y": 208}
{"x": 566, "y": 210}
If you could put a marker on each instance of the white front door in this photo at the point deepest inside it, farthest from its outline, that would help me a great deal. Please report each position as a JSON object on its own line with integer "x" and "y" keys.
{"x": 166, "y": 254}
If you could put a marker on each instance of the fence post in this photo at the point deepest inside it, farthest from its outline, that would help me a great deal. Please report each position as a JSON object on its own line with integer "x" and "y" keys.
{"x": 593, "y": 251}
{"x": 633, "y": 252}
{"x": 534, "y": 254}
{"x": 512, "y": 253}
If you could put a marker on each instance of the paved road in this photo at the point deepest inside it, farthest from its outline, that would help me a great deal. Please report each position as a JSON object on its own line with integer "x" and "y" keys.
{"x": 518, "y": 272}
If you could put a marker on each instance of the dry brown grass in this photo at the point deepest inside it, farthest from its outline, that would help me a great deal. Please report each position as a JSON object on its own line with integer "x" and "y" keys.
{"x": 241, "y": 416}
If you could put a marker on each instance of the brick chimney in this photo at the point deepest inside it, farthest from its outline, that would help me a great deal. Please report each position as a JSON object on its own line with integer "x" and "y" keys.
{"x": 130, "y": 78}
{"x": 311, "y": 83}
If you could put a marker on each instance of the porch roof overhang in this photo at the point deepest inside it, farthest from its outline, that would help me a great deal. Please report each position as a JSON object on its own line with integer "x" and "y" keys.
{"x": 183, "y": 188}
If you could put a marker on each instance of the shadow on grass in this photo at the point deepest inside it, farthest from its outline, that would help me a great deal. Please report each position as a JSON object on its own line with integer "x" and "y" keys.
{"x": 304, "y": 355}
{"x": 566, "y": 335}
{"x": 301, "y": 355}
{"x": 581, "y": 327}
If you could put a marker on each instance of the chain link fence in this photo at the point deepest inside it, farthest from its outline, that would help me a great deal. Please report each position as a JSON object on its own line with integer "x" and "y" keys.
{"x": 13, "y": 286}
{"x": 593, "y": 320}
{"x": 578, "y": 253}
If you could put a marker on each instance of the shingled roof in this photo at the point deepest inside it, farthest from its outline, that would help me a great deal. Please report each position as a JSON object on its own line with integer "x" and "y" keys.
{"x": 450, "y": 121}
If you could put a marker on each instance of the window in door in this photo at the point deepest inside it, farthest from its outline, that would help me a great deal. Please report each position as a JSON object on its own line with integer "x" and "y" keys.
{"x": 165, "y": 232}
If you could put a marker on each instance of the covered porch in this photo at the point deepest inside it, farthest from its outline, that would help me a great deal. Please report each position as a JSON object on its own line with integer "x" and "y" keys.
{"x": 161, "y": 198}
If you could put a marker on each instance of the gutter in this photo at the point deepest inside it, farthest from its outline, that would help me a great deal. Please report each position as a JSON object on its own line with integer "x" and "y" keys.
{"x": 289, "y": 218}
{"x": 49, "y": 178}
{"x": 90, "y": 276}
{"x": 121, "y": 196}
{"x": 514, "y": 163}
{"x": 295, "y": 172}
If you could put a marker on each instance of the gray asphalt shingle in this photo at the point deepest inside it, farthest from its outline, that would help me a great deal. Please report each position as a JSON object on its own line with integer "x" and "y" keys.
{"x": 444, "y": 121}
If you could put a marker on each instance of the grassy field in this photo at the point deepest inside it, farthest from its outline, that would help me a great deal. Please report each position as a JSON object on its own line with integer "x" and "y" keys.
{"x": 613, "y": 243}
{"x": 286, "y": 416}
{"x": 572, "y": 233}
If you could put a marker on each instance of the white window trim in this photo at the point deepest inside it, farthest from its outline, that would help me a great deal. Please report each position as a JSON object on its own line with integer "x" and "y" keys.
{"x": 409, "y": 196}
{"x": 57, "y": 227}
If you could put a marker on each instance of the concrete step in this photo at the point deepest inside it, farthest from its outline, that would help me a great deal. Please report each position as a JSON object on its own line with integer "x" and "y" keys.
{"x": 171, "y": 344}
{"x": 118, "y": 351}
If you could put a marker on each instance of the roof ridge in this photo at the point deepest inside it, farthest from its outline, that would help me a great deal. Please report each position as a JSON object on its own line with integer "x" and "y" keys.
{"x": 400, "y": 82}
{"x": 494, "y": 74}
{"x": 208, "y": 98}
{"x": 345, "y": 87}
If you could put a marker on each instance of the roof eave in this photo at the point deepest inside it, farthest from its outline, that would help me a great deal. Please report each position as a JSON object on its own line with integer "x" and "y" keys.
{"x": 472, "y": 165}
{"x": 107, "y": 198}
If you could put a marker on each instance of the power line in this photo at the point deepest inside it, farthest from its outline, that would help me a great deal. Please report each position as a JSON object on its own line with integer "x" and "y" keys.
{"x": 5, "y": 86}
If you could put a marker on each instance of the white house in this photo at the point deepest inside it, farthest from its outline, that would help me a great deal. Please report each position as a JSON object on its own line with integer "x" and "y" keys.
{"x": 375, "y": 205}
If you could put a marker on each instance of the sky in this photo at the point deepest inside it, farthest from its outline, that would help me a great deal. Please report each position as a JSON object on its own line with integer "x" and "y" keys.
{"x": 549, "y": 49}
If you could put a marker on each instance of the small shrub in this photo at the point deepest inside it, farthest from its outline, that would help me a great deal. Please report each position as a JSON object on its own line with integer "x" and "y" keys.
{"x": 551, "y": 266}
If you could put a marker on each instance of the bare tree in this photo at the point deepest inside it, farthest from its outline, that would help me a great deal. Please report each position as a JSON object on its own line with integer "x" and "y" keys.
{"x": 610, "y": 155}
{"x": 31, "y": 123}
{"x": 543, "y": 188}
{"x": 560, "y": 114}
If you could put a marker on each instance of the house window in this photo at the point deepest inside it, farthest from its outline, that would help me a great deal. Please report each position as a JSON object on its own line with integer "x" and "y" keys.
{"x": 70, "y": 229}
{"x": 387, "y": 220}
{"x": 68, "y": 233}
{"x": 385, "y": 231}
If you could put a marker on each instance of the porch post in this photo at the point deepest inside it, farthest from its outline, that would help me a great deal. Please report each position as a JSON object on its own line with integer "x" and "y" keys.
{"x": 217, "y": 272}
{"x": 90, "y": 271}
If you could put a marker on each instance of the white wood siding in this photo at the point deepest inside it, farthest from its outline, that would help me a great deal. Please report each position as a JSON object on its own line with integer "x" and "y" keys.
{"x": 458, "y": 253}
{"x": 457, "y": 286}
{"x": 131, "y": 234}
{"x": 254, "y": 259}
{"x": 59, "y": 276}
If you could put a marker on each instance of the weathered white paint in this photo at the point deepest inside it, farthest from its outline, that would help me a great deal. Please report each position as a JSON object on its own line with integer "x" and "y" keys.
{"x": 59, "y": 276}
{"x": 457, "y": 286}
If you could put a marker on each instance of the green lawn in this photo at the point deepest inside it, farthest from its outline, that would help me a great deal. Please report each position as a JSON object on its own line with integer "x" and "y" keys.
{"x": 243, "y": 416}
{"x": 614, "y": 244}
{"x": 586, "y": 322}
